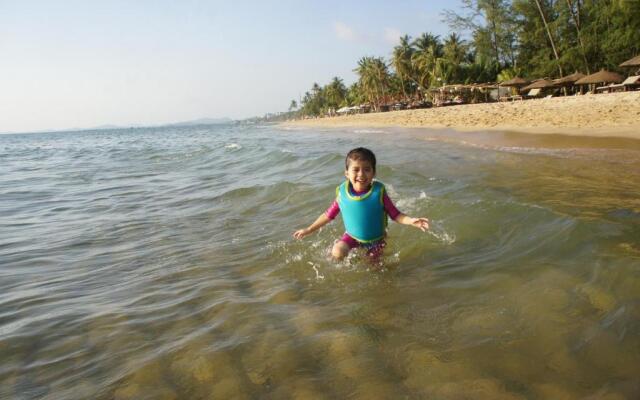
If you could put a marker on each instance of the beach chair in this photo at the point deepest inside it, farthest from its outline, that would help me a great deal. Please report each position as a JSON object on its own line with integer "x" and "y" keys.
{"x": 631, "y": 83}
{"x": 603, "y": 89}
{"x": 533, "y": 93}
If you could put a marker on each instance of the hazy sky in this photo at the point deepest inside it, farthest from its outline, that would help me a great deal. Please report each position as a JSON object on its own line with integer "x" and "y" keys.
{"x": 67, "y": 64}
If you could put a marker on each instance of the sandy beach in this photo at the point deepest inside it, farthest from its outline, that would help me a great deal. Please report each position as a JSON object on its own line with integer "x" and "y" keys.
{"x": 601, "y": 115}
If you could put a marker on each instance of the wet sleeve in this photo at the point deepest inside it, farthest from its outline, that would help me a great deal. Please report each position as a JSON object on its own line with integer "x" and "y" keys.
{"x": 389, "y": 207}
{"x": 333, "y": 210}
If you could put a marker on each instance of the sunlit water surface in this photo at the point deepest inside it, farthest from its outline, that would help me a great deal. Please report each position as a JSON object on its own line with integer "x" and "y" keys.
{"x": 158, "y": 263}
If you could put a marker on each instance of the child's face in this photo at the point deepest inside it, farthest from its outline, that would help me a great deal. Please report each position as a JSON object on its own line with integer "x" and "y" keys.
{"x": 360, "y": 173}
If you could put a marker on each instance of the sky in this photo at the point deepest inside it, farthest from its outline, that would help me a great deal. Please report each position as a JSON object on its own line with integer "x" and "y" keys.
{"x": 81, "y": 64}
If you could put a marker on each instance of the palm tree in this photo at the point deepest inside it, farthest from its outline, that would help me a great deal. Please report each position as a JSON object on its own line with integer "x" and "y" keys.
{"x": 426, "y": 59}
{"x": 335, "y": 93}
{"x": 454, "y": 54}
{"x": 402, "y": 61}
{"x": 373, "y": 78}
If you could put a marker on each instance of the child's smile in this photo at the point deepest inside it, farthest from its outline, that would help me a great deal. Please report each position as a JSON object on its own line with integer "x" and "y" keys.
{"x": 360, "y": 174}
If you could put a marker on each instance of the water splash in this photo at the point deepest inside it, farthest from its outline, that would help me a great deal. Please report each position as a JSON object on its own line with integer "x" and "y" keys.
{"x": 437, "y": 231}
{"x": 315, "y": 268}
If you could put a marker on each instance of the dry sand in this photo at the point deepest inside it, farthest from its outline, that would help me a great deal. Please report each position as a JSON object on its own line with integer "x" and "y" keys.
{"x": 603, "y": 115}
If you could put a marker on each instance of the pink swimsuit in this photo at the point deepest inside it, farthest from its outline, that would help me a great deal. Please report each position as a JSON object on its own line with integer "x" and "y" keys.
{"x": 373, "y": 249}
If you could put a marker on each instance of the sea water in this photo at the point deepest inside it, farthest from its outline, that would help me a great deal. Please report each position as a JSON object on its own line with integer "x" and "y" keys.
{"x": 158, "y": 263}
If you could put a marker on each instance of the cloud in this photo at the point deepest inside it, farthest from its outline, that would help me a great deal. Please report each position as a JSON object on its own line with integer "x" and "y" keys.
{"x": 344, "y": 32}
{"x": 392, "y": 35}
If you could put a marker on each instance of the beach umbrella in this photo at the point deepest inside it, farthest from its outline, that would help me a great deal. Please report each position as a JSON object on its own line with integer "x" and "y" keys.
{"x": 539, "y": 84}
{"x": 601, "y": 76}
{"x": 634, "y": 62}
{"x": 569, "y": 80}
{"x": 515, "y": 82}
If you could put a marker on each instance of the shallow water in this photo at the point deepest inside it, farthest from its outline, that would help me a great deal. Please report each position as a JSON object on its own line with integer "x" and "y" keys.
{"x": 158, "y": 263}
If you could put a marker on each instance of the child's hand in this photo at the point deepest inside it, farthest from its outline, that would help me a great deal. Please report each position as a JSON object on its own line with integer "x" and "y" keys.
{"x": 420, "y": 223}
{"x": 300, "y": 233}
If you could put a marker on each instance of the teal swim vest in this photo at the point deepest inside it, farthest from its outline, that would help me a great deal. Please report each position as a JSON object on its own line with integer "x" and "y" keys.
{"x": 364, "y": 217}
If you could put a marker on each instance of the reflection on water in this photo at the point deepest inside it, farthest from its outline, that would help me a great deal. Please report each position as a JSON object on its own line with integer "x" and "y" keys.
{"x": 157, "y": 263}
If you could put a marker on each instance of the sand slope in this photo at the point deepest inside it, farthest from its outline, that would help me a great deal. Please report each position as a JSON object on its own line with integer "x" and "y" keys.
{"x": 609, "y": 114}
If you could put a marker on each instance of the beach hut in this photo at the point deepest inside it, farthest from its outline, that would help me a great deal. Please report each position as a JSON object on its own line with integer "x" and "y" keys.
{"x": 601, "y": 77}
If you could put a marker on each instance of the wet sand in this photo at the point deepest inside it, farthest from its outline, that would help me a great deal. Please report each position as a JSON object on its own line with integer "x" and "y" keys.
{"x": 601, "y": 115}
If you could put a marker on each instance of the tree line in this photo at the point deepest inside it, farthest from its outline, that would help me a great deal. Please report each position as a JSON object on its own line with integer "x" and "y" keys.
{"x": 507, "y": 38}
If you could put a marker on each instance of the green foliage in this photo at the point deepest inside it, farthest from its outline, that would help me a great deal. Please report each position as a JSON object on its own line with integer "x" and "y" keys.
{"x": 507, "y": 38}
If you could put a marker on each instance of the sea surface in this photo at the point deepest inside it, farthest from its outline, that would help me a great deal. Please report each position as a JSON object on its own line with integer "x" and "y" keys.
{"x": 158, "y": 263}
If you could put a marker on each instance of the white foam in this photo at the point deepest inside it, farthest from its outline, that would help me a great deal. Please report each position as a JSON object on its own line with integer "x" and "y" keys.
{"x": 233, "y": 146}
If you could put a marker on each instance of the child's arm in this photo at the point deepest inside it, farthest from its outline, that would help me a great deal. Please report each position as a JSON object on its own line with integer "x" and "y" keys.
{"x": 420, "y": 223}
{"x": 318, "y": 223}
{"x": 396, "y": 215}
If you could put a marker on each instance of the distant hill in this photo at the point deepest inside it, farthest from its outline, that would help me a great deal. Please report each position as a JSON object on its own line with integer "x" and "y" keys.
{"x": 202, "y": 121}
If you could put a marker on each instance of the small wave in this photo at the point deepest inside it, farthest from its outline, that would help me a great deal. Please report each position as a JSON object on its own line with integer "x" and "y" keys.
{"x": 233, "y": 146}
{"x": 368, "y": 131}
{"x": 407, "y": 203}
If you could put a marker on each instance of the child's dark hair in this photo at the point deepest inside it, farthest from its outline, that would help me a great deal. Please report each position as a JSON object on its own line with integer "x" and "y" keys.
{"x": 362, "y": 154}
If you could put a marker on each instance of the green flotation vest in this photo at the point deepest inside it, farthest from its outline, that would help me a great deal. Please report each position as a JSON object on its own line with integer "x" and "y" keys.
{"x": 364, "y": 217}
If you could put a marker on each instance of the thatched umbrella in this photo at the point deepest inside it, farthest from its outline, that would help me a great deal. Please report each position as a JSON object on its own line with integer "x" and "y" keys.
{"x": 515, "y": 82}
{"x": 539, "y": 84}
{"x": 569, "y": 80}
{"x": 601, "y": 76}
{"x": 634, "y": 62}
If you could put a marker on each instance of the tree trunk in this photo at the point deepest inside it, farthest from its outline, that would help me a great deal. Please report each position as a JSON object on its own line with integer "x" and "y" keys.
{"x": 495, "y": 41}
{"x": 576, "y": 21}
{"x": 553, "y": 44}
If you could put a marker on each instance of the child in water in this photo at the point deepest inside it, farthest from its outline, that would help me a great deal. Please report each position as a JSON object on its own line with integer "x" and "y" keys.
{"x": 365, "y": 205}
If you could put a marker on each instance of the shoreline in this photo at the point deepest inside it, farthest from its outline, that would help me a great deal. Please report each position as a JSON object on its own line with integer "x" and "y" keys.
{"x": 600, "y": 115}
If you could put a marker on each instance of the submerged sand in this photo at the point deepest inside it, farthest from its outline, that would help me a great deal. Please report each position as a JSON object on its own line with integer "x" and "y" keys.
{"x": 609, "y": 114}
